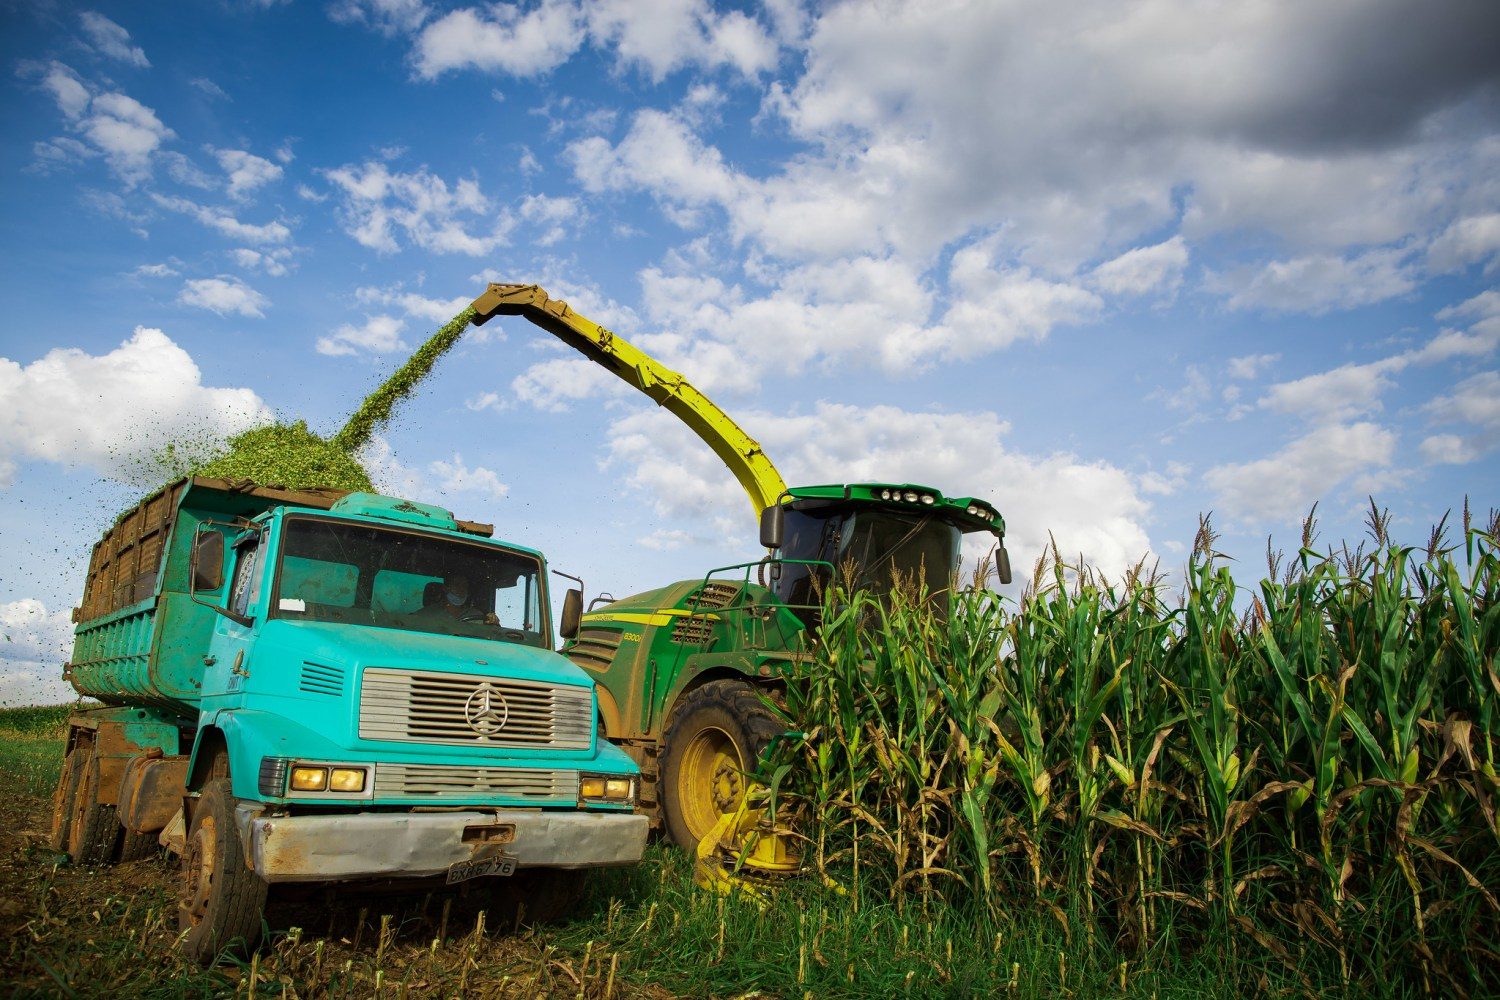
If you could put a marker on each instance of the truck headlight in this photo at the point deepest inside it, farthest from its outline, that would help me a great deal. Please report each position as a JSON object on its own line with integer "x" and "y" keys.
{"x": 606, "y": 788}
{"x": 327, "y": 781}
{"x": 309, "y": 779}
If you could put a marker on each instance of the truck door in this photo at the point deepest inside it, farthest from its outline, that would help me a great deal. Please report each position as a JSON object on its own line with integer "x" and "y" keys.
{"x": 229, "y": 650}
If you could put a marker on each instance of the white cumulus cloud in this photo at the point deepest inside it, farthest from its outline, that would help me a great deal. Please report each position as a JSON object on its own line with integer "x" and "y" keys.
{"x": 1282, "y": 486}
{"x": 379, "y": 205}
{"x": 108, "y": 412}
{"x": 245, "y": 170}
{"x": 226, "y": 224}
{"x": 126, "y": 132}
{"x": 1144, "y": 269}
{"x": 112, "y": 40}
{"x": 501, "y": 38}
{"x": 34, "y": 643}
{"x": 377, "y": 335}
{"x": 224, "y": 295}
{"x": 453, "y": 476}
{"x": 1318, "y": 283}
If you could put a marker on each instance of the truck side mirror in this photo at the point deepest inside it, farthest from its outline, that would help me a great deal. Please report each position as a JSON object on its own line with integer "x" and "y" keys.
{"x": 572, "y": 614}
{"x": 772, "y": 526}
{"x": 1002, "y": 563}
{"x": 208, "y": 560}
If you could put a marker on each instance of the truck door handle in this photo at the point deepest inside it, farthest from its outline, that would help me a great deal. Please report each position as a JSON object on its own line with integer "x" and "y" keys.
{"x": 210, "y": 660}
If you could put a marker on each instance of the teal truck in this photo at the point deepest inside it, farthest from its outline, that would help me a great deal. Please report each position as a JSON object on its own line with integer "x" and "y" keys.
{"x": 309, "y": 686}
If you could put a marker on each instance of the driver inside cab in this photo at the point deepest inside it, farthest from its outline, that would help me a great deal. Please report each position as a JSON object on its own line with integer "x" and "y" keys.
{"x": 451, "y": 599}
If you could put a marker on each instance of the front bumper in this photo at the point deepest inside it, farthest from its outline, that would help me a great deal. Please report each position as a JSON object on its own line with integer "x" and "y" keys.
{"x": 415, "y": 845}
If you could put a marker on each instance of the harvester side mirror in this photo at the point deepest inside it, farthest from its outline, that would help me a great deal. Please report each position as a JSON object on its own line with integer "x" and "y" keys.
{"x": 1002, "y": 563}
{"x": 572, "y": 614}
{"x": 772, "y": 526}
{"x": 208, "y": 560}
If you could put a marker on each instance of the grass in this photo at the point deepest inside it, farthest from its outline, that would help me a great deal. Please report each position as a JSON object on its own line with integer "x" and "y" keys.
{"x": 31, "y": 746}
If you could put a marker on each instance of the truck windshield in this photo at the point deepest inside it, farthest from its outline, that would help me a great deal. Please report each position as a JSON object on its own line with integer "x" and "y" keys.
{"x": 355, "y": 574}
{"x": 878, "y": 547}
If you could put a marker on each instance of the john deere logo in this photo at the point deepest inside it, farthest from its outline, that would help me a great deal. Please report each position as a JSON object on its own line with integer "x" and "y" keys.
{"x": 486, "y": 711}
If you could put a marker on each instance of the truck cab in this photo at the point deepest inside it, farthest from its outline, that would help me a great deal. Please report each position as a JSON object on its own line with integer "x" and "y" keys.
{"x": 358, "y": 689}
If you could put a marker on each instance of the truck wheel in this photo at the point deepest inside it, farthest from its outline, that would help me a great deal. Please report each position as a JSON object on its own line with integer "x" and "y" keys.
{"x": 715, "y": 734}
{"x": 219, "y": 900}
{"x": 137, "y": 846}
{"x": 95, "y": 831}
{"x": 62, "y": 801}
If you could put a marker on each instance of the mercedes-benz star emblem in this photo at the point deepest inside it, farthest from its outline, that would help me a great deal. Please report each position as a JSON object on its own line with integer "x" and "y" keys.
{"x": 486, "y": 711}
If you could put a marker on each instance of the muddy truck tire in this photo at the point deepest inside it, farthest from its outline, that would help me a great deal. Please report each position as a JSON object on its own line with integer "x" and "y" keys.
{"x": 59, "y": 835}
{"x": 220, "y": 902}
{"x": 96, "y": 831}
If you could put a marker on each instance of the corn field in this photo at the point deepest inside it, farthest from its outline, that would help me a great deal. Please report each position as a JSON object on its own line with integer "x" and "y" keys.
{"x": 1303, "y": 774}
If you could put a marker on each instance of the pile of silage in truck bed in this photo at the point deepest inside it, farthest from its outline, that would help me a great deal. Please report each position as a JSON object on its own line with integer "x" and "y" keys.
{"x": 292, "y": 456}
{"x": 287, "y": 455}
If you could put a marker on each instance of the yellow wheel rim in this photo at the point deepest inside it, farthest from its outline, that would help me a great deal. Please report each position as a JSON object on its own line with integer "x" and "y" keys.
{"x": 710, "y": 782}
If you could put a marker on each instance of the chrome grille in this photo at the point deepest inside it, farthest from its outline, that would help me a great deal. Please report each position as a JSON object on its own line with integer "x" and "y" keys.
{"x": 418, "y": 706}
{"x": 394, "y": 780}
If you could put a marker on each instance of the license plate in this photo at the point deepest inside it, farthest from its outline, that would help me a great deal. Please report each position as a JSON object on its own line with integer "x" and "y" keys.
{"x": 503, "y": 864}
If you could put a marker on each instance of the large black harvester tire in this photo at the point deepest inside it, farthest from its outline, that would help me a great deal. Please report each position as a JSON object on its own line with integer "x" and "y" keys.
{"x": 220, "y": 902}
{"x": 713, "y": 738}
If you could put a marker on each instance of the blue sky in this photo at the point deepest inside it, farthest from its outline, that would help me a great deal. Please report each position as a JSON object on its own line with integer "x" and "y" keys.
{"x": 1109, "y": 265}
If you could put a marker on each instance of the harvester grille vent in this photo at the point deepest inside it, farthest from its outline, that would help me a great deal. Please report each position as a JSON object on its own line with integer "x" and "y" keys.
{"x": 320, "y": 679}
{"x": 595, "y": 648}
{"x": 713, "y": 595}
{"x": 693, "y": 630}
{"x": 419, "y": 706}
{"x": 393, "y": 780}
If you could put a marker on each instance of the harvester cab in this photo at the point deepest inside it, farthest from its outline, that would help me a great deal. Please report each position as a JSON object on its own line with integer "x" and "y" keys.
{"x": 688, "y": 674}
{"x": 871, "y": 536}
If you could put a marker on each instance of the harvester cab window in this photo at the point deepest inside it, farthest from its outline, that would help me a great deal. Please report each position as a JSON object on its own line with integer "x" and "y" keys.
{"x": 359, "y": 574}
{"x": 813, "y": 537}
{"x": 889, "y": 549}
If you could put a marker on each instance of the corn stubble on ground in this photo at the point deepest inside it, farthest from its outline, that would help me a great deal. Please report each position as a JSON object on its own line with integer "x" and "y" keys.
{"x": 291, "y": 455}
{"x": 67, "y": 931}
